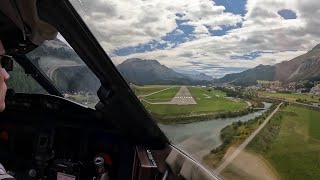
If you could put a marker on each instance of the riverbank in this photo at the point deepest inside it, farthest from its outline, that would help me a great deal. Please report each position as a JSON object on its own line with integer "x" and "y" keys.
{"x": 186, "y": 119}
{"x": 198, "y": 138}
{"x": 233, "y": 135}
{"x": 291, "y": 142}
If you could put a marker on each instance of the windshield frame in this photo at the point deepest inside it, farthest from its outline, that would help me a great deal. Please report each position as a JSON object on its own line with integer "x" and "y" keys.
{"x": 36, "y": 74}
{"x": 117, "y": 100}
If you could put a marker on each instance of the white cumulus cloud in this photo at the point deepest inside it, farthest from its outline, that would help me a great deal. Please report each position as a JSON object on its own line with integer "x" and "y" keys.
{"x": 119, "y": 24}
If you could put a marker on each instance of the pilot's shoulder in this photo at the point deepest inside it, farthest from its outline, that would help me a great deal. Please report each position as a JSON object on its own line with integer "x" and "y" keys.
{"x": 4, "y": 175}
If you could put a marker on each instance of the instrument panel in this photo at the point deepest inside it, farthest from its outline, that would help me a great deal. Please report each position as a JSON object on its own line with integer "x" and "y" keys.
{"x": 30, "y": 152}
{"x": 48, "y": 137}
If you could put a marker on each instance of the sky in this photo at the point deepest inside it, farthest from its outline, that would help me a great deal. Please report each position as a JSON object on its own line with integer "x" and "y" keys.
{"x": 216, "y": 37}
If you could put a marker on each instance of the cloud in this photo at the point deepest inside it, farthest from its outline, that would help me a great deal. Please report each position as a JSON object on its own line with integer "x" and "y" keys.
{"x": 131, "y": 23}
{"x": 178, "y": 32}
{"x": 201, "y": 30}
{"x": 309, "y": 12}
{"x": 124, "y": 23}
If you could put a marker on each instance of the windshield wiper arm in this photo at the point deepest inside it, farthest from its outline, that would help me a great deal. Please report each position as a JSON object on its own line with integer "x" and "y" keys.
{"x": 32, "y": 70}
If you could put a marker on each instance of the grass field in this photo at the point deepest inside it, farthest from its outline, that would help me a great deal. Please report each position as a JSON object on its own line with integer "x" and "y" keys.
{"x": 207, "y": 102}
{"x": 163, "y": 96}
{"x": 295, "y": 151}
{"x": 144, "y": 90}
{"x": 232, "y": 136}
{"x": 292, "y": 97}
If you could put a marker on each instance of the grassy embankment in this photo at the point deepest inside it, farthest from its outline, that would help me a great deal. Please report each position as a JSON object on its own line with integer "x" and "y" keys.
{"x": 233, "y": 135}
{"x": 210, "y": 104}
{"x": 291, "y": 143}
{"x": 293, "y": 97}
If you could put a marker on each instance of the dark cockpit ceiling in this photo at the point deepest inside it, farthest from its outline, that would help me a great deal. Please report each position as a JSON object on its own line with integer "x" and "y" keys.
{"x": 21, "y": 30}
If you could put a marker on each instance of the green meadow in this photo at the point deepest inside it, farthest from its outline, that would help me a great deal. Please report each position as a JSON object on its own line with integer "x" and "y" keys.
{"x": 292, "y": 97}
{"x": 208, "y": 101}
{"x": 291, "y": 143}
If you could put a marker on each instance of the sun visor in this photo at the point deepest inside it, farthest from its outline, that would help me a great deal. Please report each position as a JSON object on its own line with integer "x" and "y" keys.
{"x": 37, "y": 31}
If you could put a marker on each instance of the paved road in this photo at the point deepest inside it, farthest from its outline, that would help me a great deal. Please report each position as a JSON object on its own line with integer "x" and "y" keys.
{"x": 55, "y": 67}
{"x": 245, "y": 143}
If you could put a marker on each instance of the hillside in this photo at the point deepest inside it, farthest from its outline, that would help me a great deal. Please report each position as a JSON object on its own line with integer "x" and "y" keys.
{"x": 140, "y": 71}
{"x": 304, "y": 67}
{"x": 199, "y": 77}
{"x": 64, "y": 67}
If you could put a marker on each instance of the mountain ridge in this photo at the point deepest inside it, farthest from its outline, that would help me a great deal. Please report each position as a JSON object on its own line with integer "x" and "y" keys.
{"x": 303, "y": 67}
{"x": 148, "y": 71}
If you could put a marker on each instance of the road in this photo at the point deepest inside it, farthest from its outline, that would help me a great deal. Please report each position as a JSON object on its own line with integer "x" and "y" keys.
{"x": 245, "y": 143}
{"x": 50, "y": 64}
{"x": 52, "y": 69}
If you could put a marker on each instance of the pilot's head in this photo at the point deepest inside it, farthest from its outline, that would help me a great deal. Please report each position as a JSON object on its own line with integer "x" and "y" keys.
{"x": 4, "y": 76}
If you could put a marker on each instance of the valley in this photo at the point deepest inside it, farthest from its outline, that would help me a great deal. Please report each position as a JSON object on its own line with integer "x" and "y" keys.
{"x": 210, "y": 118}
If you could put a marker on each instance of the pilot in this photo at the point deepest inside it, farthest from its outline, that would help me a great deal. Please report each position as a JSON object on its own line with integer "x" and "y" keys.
{"x": 4, "y": 76}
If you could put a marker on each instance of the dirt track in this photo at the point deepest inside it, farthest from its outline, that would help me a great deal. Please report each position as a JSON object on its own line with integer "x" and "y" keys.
{"x": 248, "y": 165}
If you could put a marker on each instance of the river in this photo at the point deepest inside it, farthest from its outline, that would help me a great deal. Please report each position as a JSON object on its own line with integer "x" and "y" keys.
{"x": 198, "y": 138}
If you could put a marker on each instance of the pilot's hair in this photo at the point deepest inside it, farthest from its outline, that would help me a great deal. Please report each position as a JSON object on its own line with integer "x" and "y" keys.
{"x": 10, "y": 34}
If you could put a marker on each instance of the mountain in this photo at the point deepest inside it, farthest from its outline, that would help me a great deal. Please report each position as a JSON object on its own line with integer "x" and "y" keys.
{"x": 250, "y": 76}
{"x": 64, "y": 67}
{"x": 141, "y": 72}
{"x": 304, "y": 67}
{"x": 55, "y": 48}
{"x": 199, "y": 77}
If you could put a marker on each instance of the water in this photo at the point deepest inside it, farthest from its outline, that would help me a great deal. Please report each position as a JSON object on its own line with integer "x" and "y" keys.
{"x": 197, "y": 139}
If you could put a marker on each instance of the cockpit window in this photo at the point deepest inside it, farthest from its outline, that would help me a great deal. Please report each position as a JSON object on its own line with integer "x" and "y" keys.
{"x": 235, "y": 84}
{"x": 20, "y": 82}
{"x": 67, "y": 72}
